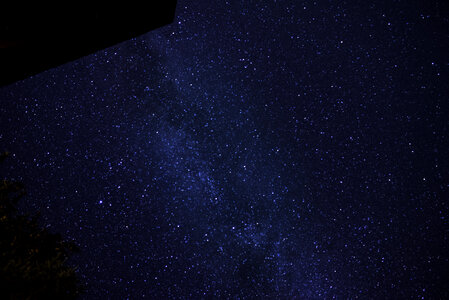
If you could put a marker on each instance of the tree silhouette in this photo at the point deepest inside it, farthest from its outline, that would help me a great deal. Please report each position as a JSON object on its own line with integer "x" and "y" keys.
{"x": 33, "y": 261}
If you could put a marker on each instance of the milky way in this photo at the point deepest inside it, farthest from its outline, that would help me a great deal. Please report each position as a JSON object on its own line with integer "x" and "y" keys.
{"x": 257, "y": 150}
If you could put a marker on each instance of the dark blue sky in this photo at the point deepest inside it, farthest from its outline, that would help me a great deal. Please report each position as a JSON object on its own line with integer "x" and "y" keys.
{"x": 259, "y": 150}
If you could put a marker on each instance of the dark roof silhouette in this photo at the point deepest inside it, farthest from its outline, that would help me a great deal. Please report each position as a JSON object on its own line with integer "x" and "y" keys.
{"x": 34, "y": 39}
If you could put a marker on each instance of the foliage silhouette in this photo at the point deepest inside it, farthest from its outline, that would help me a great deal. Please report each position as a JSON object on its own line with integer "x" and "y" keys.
{"x": 33, "y": 261}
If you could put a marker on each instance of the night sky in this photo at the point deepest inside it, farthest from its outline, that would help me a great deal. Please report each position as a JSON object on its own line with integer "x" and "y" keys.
{"x": 263, "y": 149}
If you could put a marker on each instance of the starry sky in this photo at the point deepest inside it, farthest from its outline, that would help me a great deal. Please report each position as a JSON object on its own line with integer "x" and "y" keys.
{"x": 261, "y": 149}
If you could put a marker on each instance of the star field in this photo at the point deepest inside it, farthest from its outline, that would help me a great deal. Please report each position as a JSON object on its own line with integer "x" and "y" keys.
{"x": 248, "y": 150}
